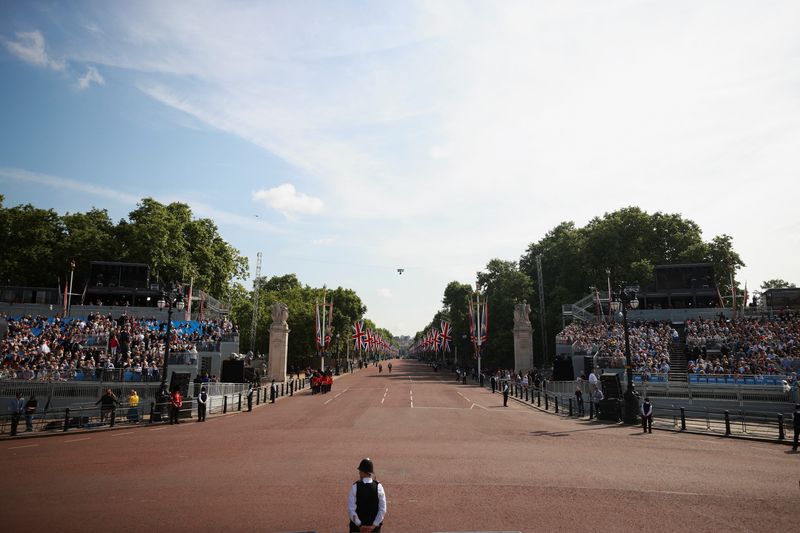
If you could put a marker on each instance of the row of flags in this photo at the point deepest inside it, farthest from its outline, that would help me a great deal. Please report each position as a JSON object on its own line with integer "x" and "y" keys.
{"x": 438, "y": 340}
{"x": 323, "y": 323}
{"x": 366, "y": 340}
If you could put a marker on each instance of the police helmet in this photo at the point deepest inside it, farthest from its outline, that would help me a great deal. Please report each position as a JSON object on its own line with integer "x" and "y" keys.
{"x": 366, "y": 465}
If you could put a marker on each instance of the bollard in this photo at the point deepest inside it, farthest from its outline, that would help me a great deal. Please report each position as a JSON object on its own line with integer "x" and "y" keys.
{"x": 291, "y": 388}
{"x": 258, "y": 397}
{"x": 683, "y": 419}
{"x": 526, "y": 394}
{"x": 781, "y": 434}
{"x": 224, "y": 404}
{"x": 66, "y": 419}
{"x": 240, "y": 401}
{"x": 152, "y": 411}
{"x": 570, "y": 407}
{"x": 538, "y": 398}
{"x": 113, "y": 417}
{"x": 555, "y": 401}
{"x": 546, "y": 402}
{"x": 591, "y": 410}
{"x": 727, "y": 424}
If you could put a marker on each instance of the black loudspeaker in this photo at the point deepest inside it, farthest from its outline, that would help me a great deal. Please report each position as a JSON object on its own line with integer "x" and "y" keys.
{"x": 562, "y": 369}
{"x": 232, "y": 371}
{"x": 588, "y": 365}
{"x": 612, "y": 387}
{"x": 3, "y": 327}
{"x": 180, "y": 380}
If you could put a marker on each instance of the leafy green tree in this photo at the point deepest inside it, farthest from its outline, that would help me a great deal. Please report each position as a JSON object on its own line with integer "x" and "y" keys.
{"x": 31, "y": 240}
{"x": 777, "y": 284}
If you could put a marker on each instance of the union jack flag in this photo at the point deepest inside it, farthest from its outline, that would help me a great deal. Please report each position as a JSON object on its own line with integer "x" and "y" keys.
{"x": 445, "y": 336}
{"x": 359, "y": 336}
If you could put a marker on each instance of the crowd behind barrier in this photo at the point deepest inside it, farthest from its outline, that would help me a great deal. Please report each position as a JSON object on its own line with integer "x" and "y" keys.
{"x": 103, "y": 348}
{"x": 738, "y": 350}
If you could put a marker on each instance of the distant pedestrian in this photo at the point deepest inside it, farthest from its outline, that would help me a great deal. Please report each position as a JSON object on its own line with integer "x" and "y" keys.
{"x": 390, "y": 367}
{"x": 597, "y": 397}
{"x": 202, "y": 401}
{"x": 175, "y": 404}
{"x": 16, "y": 407}
{"x": 250, "y": 392}
{"x": 579, "y": 401}
{"x": 133, "y": 406}
{"x": 273, "y": 391}
{"x": 492, "y": 382}
{"x": 380, "y": 368}
{"x": 366, "y": 502}
{"x": 505, "y": 393}
{"x": 30, "y": 410}
{"x": 796, "y": 422}
{"x": 108, "y": 404}
{"x": 647, "y": 416}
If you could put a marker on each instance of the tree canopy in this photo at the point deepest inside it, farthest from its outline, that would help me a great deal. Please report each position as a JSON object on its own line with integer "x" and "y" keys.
{"x": 301, "y": 300}
{"x": 38, "y": 245}
{"x": 628, "y": 243}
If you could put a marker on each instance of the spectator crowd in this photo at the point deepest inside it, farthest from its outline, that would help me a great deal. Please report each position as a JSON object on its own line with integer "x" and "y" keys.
{"x": 650, "y": 343}
{"x": 748, "y": 346}
{"x": 57, "y": 349}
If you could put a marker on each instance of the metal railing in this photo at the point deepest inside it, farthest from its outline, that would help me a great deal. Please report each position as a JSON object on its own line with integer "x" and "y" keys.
{"x": 739, "y": 422}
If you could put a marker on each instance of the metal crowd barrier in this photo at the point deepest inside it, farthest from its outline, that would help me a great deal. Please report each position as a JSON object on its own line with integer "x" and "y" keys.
{"x": 773, "y": 426}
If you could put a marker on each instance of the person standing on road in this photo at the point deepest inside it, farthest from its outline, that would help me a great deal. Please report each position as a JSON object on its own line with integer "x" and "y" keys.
{"x": 505, "y": 393}
{"x": 366, "y": 503}
{"x": 30, "y": 410}
{"x": 175, "y": 404}
{"x": 250, "y": 391}
{"x": 108, "y": 404}
{"x": 273, "y": 391}
{"x": 380, "y": 368}
{"x": 597, "y": 397}
{"x": 16, "y": 406}
{"x": 202, "y": 400}
{"x": 390, "y": 367}
{"x": 796, "y": 422}
{"x": 647, "y": 416}
{"x": 579, "y": 401}
{"x": 493, "y": 382}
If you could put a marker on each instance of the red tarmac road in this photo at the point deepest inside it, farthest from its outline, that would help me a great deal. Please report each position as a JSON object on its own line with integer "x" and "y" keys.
{"x": 450, "y": 457}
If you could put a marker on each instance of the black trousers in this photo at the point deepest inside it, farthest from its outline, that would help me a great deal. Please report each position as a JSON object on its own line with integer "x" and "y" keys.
{"x": 796, "y": 436}
{"x": 355, "y": 529}
{"x": 505, "y": 399}
{"x": 201, "y": 412}
{"x": 647, "y": 423}
{"x": 173, "y": 414}
{"x": 14, "y": 423}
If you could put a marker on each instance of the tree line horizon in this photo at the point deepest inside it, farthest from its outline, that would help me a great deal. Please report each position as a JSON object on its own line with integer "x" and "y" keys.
{"x": 39, "y": 243}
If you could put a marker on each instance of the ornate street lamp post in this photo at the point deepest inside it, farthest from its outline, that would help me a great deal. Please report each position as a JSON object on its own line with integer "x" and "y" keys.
{"x": 171, "y": 301}
{"x": 628, "y": 299}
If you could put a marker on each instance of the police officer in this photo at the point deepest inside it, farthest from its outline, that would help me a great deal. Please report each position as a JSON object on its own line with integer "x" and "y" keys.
{"x": 647, "y": 416}
{"x": 505, "y": 393}
{"x": 796, "y": 422}
{"x": 202, "y": 400}
{"x": 366, "y": 503}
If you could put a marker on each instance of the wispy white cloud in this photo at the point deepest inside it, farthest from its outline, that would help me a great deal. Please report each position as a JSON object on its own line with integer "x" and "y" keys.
{"x": 91, "y": 76}
{"x": 286, "y": 200}
{"x": 30, "y": 47}
{"x": 325, "y": 241}
{"x": 113, "y": 193}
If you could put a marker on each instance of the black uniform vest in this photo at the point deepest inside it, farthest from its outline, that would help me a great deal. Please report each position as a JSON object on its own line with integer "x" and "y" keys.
{"x": 366, "y": 501}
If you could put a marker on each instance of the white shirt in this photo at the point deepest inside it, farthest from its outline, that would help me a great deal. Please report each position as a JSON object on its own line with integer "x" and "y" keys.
{"x": 351, "y": 503}
{"x": 592, "y": 378}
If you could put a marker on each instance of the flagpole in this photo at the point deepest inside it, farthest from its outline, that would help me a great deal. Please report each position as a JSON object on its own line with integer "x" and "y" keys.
{"x": 71, "y": 274}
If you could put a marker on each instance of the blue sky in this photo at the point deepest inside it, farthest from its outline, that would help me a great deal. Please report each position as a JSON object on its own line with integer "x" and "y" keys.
{"x": 347, "y": 139}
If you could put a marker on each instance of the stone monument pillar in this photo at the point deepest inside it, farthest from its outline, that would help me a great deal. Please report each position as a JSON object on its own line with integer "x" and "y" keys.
{"x": 278, "y": 342}
{"x": 523, "y": 338}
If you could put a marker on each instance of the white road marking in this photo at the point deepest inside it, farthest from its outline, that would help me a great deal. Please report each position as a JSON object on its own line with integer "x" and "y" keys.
{"x": 121, "y": 434}
{"x": 78, "y": 440}
{"x": 158, "y": 429}
{"x": 20, "y": 447}
{"x": 329, "y": 401}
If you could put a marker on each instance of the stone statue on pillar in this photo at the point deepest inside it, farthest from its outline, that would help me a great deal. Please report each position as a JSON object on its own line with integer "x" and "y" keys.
{"x": 278, "y": 342}
{"x": 523, "y": 337}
